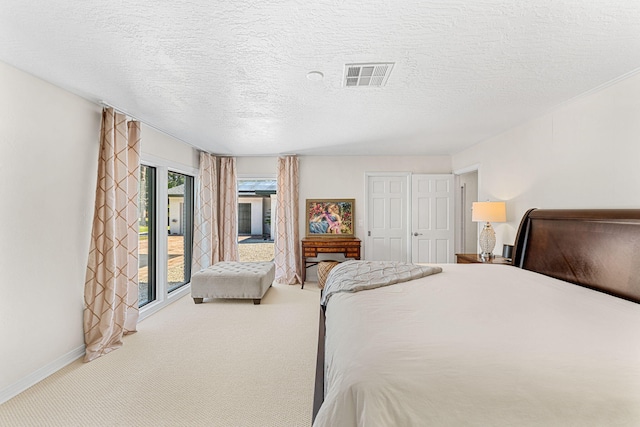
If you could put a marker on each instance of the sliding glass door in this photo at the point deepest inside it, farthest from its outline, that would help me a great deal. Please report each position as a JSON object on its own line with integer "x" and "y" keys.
{"x": 147, "y": 236}
{"x": 179, "y": 229}
{"x": 165, "y": 230}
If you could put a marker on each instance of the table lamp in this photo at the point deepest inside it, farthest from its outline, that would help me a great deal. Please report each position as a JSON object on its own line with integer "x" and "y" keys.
{"x": 488, "y": 212}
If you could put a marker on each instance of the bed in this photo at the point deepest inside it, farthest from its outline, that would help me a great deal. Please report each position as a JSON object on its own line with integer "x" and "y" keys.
{"x": 553, "y": 340}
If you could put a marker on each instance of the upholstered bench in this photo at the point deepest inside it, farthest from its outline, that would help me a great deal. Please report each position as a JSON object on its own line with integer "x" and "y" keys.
{"x": 226, "y": 279}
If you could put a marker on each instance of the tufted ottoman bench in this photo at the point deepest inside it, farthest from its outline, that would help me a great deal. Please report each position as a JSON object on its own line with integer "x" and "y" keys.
{"x": 226, "y": 279}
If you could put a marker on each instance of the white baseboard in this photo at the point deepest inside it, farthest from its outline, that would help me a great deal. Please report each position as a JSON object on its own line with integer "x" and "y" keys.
{"x": 156, "y": 306}
{"x": 42, "y": 373}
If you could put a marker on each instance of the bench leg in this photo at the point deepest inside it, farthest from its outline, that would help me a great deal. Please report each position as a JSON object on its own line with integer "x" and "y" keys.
{"x": 256, "y": 301}
{"x": 198, "y": 300}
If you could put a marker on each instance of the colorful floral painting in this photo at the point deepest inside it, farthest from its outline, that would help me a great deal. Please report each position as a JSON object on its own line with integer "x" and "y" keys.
{"x": 330, "y": 217}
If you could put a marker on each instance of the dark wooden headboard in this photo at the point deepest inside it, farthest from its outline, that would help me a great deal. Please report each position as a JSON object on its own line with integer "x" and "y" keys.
{"x": 598, "y": 249}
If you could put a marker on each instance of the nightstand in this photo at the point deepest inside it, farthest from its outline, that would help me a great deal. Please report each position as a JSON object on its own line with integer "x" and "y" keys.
{"x": 476, "y": 259}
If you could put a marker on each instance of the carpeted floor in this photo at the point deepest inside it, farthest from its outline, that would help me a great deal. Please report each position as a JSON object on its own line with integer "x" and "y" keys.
{"x": 221, "y": 363}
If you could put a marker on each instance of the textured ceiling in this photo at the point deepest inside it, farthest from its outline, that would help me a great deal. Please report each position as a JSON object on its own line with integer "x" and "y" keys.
{"x": 230, "y": 76}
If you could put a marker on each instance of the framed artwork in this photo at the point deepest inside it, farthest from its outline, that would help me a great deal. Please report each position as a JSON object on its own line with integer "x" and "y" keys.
{"x": 332, "y": 218}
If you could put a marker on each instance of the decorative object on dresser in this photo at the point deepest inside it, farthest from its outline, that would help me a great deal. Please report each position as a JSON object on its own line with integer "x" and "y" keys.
{"x": 478, "y": 259}
{"x": 488, "y": 212}
{"x": 312, "y": 247}
{"x": 331, "y": 218}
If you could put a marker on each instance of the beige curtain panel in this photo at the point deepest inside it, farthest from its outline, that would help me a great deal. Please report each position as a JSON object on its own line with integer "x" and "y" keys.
{"x": 215, "y": 236}
{"x": 205, "y": 229}
{"x": 111, "y": 285}
{"x": 287, "y": 242}
{"x": 228, "y": 208}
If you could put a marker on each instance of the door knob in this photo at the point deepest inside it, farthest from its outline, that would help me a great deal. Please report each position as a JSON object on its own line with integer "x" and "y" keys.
{"x": 417, "y": 234}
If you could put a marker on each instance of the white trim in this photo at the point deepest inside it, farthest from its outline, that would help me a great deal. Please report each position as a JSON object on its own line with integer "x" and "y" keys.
{"x": 409, "y": 216}
{"x": 179, "y": 293}
{"x": 471, "y": 168}
{"x": 162, "y": 237}
{"x": 40, "y": 374}
{"x": 156, "y": 306}
{"x": 591, "y": 91}
{"x": 130, "y": 116}
{"x": 151, "y": 160}
{"x": 460, "y": 241}
{"x": 367, "y": 174}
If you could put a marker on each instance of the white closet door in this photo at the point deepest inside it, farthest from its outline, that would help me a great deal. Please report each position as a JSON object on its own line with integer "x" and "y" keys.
{"x": 432, "y": 218}
{"x": 387, "y": 218}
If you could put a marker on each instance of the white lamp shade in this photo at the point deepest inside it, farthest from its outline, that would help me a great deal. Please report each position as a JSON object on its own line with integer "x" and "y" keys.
{"x": 489, "y": 212}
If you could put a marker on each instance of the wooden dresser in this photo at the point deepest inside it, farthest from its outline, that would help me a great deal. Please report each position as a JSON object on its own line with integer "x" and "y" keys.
{"x": 312, "y": 247}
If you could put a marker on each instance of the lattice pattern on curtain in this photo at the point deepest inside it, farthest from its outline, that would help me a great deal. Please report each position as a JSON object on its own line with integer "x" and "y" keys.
{"x": 215, "y": 236}
{"x": 111, "y": 285}
{"x": 287, "y": 242}
{"x": 228, "y": 210}
{"x": 205, "y": 230}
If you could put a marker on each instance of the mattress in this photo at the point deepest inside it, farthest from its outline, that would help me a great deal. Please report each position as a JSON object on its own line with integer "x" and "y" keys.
{"x": 480, "y": 345}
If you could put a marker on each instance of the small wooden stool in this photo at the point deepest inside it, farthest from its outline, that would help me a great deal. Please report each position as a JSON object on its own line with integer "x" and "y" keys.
{"x": 324, "y": 267}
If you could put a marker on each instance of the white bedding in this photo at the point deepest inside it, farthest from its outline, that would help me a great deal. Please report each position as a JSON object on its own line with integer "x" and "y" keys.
{"x": 481, "y": 345}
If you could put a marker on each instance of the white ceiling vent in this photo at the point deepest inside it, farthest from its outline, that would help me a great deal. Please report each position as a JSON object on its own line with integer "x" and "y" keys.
{"x": 367, "y": 74}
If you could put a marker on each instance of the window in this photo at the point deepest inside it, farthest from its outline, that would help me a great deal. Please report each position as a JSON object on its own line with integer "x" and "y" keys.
{"x": 146, "y": 236}
{"x": 165, "y": 229}
{"x": 256, "y": 202}
{"x": 179, "y": 229}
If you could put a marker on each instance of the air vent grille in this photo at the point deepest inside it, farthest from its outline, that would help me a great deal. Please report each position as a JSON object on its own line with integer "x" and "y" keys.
{"x": 360, "y": 75}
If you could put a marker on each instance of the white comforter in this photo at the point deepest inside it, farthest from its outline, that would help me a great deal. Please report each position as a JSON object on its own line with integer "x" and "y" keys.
{"x": 481, "y": 345}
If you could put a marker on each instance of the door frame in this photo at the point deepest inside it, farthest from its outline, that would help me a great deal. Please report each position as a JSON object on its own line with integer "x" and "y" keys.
{"x": 458, "y": 247}
{"x": 407, "y": 176}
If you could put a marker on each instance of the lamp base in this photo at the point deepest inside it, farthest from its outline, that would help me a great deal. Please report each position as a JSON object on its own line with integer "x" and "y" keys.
{"x": 487, "y": 241}
{"x": 486, "y": 256}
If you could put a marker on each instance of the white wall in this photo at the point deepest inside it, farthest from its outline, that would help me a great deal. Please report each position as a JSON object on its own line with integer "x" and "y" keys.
{"x": 264, "y": 167}
{"x": 584, "y": 154}
{"x": 164, "y": 149}
{"x": 49, "y": 140}
{"x": 48, "y": 149}
{"x": 343, "y": 177}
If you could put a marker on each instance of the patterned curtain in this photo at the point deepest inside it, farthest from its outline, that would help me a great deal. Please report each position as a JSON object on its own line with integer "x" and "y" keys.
{"x": 205, "y": 230}
{"x": 215, "y": 236}
{"x": 228, "y": 209}
{"x": 287, "y": 242}
{"x": 111, "y": 285}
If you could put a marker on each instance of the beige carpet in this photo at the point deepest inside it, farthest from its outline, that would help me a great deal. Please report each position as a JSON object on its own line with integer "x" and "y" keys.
{"x": 221, "y": 363}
